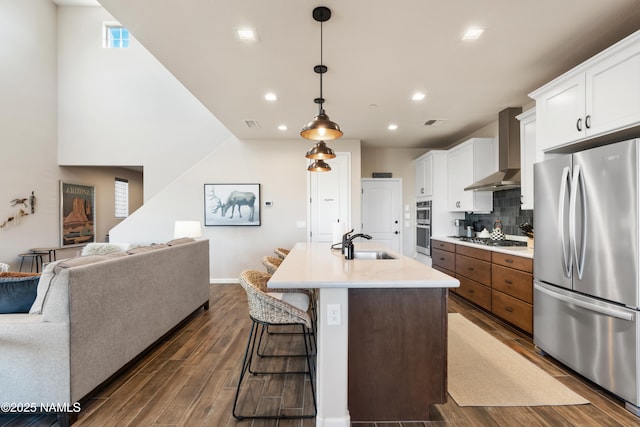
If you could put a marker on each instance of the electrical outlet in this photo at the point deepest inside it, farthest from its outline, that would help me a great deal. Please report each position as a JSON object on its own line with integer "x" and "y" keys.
{"x": 333, "y": 314}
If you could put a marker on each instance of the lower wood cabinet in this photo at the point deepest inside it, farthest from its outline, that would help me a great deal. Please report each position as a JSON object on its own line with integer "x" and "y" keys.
{"x": 475, "y": 292}
{"x": 512, "y": 310}
{"x": 498, "y": 282}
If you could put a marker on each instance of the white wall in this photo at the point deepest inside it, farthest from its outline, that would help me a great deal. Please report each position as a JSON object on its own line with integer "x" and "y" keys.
{"x": 122, "y": 107}
{"x": 280, "y": 168}
{"x": 28, "y": 136}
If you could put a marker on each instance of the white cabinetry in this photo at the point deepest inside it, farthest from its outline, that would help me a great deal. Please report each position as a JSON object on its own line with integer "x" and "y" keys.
{"x": 466, "y": 164}
{"x": 423, "y": 166}
{"x": 600, "y": 96}
{"x": 528, "y": 156}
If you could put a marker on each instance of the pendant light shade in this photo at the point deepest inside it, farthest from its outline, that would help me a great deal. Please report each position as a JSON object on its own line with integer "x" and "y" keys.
{"x": 320, "y": 151}
{"x": 319, "y": 166}
{"x": 321, "y": 128}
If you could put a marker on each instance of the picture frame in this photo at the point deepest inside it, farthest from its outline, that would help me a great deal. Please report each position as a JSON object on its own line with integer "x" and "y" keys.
{"x": 232, "y": 204}
{"x": 77, "y": 214}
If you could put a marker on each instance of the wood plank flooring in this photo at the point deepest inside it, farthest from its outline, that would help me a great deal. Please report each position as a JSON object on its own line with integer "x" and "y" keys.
{"x": 189, "y": 380}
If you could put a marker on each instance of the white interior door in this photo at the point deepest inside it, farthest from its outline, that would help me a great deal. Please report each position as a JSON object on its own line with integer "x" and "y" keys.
{"x": 382, "y": 211}
{"x": 330, "y": 198}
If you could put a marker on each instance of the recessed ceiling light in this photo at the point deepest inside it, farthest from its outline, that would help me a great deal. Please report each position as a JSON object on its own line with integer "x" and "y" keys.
{"x": 473, "y": 33}
{"x": 270, "y": 96}
{"x": 282, "y": 127}
{"x": 392, "y": 127}
{"x": 246, "y": 35}
{"x": 418, "y": 96}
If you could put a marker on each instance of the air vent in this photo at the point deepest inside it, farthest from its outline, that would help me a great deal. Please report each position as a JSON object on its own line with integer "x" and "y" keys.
{"x": 434, "y": 122}
{"x": 252, "y": 124}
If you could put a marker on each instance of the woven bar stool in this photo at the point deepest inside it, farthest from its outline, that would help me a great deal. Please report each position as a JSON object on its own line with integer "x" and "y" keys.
{"x": 270, "y": 308}
{"x": 260, "y": 280}
{"x": 271, "y": 263}
{"x": 281, "y": 252}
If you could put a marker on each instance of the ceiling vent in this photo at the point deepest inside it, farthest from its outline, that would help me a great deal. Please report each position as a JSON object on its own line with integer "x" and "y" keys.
{"x": 434, "y": 122}
{"x": 251, "y": 124}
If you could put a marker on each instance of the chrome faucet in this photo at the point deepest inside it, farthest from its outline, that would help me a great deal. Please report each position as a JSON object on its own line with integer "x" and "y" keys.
{"x": 347, "y": 243}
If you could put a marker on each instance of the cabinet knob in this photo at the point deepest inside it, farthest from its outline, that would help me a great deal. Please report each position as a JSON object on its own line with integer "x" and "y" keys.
{"x": 508, "y": 260}
{"x": 509, "y": 309}
{"x": 396, "y": 232}
{"x": 508, "y": 282}
{"x": 587, "y": 121}
{"x": 579, "y": 125}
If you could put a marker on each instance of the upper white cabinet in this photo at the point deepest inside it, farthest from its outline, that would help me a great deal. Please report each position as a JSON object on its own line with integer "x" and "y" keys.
{"x": 528, "y": 156}
{"x": 600, "y": 96}
{"x": 423, "y": 167}
{"x": 466, "y": 164}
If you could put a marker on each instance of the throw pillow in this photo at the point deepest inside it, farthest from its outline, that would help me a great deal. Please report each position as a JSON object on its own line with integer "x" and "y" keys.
{"x": 43, "y": 287}
{"x": 17, "y": 292}
{"x": 104, "y": 248}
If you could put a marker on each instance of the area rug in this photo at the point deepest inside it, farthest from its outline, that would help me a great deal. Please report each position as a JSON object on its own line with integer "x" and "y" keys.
{"x": 482, "y": 371}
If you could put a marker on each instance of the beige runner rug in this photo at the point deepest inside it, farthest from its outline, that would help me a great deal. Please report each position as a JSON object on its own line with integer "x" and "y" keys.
{"x": 483, "y": 371}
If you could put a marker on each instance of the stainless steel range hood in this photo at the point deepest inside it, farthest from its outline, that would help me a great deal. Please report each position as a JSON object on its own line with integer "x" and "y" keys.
{"x": 508, "y": 175}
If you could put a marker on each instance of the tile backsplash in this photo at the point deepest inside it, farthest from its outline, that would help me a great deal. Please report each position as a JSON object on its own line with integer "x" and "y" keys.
{"x": 506, "y": 207}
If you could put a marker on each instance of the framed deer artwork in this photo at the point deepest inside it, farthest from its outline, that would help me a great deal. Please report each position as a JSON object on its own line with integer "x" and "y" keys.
{"x": 232, "y": 204}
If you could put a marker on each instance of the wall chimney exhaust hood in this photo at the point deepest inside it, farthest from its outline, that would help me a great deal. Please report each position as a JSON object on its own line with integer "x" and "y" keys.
{"x": 508, "y": 175}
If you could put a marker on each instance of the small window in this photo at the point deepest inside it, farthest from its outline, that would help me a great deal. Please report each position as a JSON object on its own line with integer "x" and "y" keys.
{"x": 116, "y": 36}
{"x": 122, "y": 198}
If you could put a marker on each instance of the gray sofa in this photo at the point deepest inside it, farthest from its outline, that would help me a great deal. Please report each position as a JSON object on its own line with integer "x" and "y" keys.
{"x": 98, "y": 314}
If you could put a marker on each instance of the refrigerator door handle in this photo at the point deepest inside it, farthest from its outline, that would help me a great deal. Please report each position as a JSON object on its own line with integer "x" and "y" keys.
{"x": 566, "y": 254}
{"x": 619, "y": 314}
{"x": 577, "y": 182}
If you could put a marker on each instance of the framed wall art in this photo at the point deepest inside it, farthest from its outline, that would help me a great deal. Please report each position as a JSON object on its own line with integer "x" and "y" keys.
{"x": 232, "y": 204}
{"x": 77, "y": 214}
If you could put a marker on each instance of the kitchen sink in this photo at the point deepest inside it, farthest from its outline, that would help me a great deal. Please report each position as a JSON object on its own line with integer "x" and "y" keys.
{"x": 372, "y": 255}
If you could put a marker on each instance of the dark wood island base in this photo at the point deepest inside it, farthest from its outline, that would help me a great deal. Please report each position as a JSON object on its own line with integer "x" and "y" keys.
{"x": 397, "y": 353}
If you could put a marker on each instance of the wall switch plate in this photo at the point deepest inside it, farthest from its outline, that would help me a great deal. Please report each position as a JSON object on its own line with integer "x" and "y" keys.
{"x": 333, "y": 314}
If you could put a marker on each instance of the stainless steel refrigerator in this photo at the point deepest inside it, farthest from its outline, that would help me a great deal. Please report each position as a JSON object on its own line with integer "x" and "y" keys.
{"x": 586, "y": 287}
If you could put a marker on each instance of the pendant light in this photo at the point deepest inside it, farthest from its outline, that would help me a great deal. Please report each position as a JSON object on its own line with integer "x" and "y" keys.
{"x": 320, "y": 151}
{"x": 321, "y": 128}
{"x": 319, "y": 166}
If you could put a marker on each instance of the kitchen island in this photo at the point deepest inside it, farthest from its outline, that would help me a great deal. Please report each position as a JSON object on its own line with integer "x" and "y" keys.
{"x": 382, "y": 354}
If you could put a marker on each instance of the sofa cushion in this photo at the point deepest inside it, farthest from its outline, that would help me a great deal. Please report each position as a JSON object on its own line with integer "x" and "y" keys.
{"x": 180, "y": 241}
{"x": 54, "y": 268}
{"x": 17, "y": 292}
{"x": 86, "y": 260}
{"x": 143, "y": 249}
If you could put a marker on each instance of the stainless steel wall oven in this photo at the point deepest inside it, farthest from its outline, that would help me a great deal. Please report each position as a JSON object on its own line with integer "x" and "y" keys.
{"x": 423, "y": 227}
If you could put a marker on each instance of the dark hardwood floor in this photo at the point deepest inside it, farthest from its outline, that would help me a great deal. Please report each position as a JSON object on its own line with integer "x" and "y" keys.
{"x": 189, "y": 380}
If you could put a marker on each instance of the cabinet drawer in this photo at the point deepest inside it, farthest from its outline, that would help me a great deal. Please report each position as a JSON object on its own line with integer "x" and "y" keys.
{"x": 445, "y": 246}
{"x": 512, "y": 261}
{"x": 475, "y": 269}
{"x": 475, "y": 292}
{"x": 512, "y": 282}
{"x": 512, "y": 310}
{"x": 443, "y": 259}
{"x": 474, "y": 252}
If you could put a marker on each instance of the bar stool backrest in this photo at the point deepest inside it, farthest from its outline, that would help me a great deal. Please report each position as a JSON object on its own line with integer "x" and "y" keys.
{"x": 266, "y": 308}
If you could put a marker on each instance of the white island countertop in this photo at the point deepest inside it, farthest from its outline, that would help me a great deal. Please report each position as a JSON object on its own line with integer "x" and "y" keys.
{"x": 315, "y": 265}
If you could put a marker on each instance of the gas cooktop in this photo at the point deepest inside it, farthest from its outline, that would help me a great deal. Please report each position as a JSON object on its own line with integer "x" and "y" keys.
{"x": 490, "y": 242}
